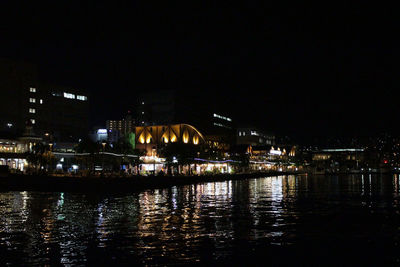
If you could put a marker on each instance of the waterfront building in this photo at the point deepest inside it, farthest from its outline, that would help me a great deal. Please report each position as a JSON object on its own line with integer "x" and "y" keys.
{"x": 59, "y": 112}
{"x": 180, "y": 106}
{"x": 13, "y": 153}
{"x": 150, "y": 138}
{"x": 338, "y": 160}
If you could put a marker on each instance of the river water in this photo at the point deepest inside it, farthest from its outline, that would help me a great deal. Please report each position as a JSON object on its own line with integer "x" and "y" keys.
{"x": 319, "y": 220}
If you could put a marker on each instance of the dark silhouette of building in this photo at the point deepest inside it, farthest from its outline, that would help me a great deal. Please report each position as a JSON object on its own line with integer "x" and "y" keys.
{"x": 61, "y": 112}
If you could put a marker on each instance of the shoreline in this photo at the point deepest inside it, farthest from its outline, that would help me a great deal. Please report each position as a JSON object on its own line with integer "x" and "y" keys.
{"x": 20, "y": 182}
{"x": 45, "y": 183}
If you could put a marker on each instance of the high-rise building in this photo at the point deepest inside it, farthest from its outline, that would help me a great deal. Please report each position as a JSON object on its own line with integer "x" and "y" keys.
{"x": 124, "y": 126}
{"x": 60, "y": 112}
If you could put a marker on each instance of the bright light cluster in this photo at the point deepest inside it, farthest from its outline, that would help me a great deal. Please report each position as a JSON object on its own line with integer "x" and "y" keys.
{"x": 81, "y": 97}
{"x": 222, "y": 117}
{"x": 69, "y": 95}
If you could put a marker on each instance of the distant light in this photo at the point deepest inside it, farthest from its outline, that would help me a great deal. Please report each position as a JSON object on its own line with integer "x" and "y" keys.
{"x": 101, "y": 131}
{"x": 275, "y": 152}
{"x": 222, "y": 117}
{"x": 9, "y": 125}
{"x": 75, "y": 167}
{"x": 59, "y": 166}
{"x": 69, "y": 95}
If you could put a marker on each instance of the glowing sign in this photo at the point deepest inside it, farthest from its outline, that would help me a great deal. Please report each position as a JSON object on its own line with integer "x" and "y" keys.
{"x": 102, "y": 131}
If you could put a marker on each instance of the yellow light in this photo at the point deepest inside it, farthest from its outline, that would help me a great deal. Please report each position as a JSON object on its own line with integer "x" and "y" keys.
{"x": 141, "y": 139}
{"x": 185, "y": 137}
{"x": 173, "y": 139}
{"x": 195, "y": 140}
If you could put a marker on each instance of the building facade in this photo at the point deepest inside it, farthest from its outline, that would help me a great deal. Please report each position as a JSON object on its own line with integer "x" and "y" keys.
{"x": 61, "y": 112}
{"x": 122, "y": 127}
{"x": 186, "y": 106}
{"x": 148, "y": 138}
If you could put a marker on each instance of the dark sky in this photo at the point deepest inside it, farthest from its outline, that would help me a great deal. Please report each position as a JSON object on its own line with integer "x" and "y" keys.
{"x": 295, "y": 70}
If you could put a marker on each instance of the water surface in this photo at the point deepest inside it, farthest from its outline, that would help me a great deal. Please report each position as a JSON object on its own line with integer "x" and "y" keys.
{"x": 321, "y": 220}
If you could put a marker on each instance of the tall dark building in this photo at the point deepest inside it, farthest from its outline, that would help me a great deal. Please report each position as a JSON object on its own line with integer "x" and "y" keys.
{"x": 59, "y": 111}
{"x": 186, "y": 106}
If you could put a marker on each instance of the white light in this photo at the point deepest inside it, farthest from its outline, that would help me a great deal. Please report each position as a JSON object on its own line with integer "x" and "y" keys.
{"x": 59, "y": 166}
{"x": 41, "y": 101}
{"x": 222, "y": 117}
{"x": 9, "y": 125}
{"x": 275, "y": 152}
{"x": 32, "y": 100}
{"x": 102, "y": 131}
{"x": 69, "y": 95}
{"x": 81, "y": 97}
{"x": 32, "y": 110}
{"x": 75, "y": 167}
{"x": 32, "y": 90}
{"x": 33, "y": 121}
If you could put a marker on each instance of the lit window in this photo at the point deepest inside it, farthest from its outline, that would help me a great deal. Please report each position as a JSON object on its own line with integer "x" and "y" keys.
{"x": 33, "y": 121}
{"x": 222, "y": 117}
{"x": 69, "y": 96}
{"x": 41, "y": 101}
{"x": 81, "y": 97}
{"x": 32, "y": 110}
{"x": 240, "y": 133}
{"x": 32, "y": 100}
{"x": 32, "y": 90}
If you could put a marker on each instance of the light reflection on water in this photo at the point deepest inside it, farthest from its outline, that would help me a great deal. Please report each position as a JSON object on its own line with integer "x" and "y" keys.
{"x": 203, "y": 222}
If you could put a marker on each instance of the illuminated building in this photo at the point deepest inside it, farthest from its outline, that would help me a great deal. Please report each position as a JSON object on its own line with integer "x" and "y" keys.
{"x": 124, "y": 126}
{"x": 150, "y": 137}
{"x": 60, "y": 111}
{"x": 188, "y": 106}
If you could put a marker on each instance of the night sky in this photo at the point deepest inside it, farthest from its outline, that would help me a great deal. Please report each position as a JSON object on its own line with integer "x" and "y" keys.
{"x": 295, "y": 70}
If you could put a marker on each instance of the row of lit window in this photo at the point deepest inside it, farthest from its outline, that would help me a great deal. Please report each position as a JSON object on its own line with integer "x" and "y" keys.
{"x": 72, "y": 96}
{"x": 222, "y": 117}
{"x": 221, "y": 125}
{"x": 66, "y": 95}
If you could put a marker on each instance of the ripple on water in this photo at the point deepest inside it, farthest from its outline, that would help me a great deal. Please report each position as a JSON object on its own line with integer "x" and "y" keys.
{"x": 209, "y": 222}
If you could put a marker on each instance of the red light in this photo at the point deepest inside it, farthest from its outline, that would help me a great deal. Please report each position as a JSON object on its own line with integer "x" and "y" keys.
{"x": 385, "y": 161}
